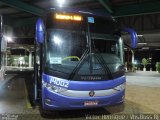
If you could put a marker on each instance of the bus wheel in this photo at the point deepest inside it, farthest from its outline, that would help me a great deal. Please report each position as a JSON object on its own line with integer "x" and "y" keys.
{"x": 44, "y": 113}
{"x": 47, "y": 113}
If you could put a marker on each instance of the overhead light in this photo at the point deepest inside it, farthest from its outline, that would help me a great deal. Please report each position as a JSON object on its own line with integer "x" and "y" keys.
{"x": 21, "y": 47}
{"x": 85, "y": 12}
{"x": 139, "y": 35}
{"x": 145, "y": 48}
{"x": 61, "y": 2}
{"x": 9, "y": 39}
{"x": 140, "y": 49}
{"x": 142, "y": 43}
{"x": 135, "y": 62}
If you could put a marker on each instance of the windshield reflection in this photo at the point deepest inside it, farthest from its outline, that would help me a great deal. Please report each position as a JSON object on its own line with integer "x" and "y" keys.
{"x": 66, "y": 49}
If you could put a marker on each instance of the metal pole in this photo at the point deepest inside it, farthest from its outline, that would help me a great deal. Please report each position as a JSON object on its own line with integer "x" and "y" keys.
{"x": 132, "y": 51}
{"x": 128, "y": 56}
{"x": 30, "y": 59}
{"x": 6, "y": 58}
{"x": 1, "y": 35}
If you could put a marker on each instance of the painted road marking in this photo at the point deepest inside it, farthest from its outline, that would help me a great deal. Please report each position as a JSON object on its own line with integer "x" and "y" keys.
{"x": 28, "y": 104}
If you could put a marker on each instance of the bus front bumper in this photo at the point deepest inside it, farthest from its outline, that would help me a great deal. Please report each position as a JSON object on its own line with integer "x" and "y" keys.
{"x": 55, "y": 101}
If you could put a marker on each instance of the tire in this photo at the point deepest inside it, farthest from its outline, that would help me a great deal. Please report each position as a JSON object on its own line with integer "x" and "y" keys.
{"x": 47, "y": 114}
{"x": 43, "y": 113}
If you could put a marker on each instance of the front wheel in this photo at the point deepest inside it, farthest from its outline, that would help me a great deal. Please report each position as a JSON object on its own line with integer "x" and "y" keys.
{"x": 47, "y": 114}
{"x": 44, "y": 113}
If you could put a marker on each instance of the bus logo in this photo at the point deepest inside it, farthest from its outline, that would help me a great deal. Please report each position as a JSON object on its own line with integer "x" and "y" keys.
{"x": 91, "y": 93}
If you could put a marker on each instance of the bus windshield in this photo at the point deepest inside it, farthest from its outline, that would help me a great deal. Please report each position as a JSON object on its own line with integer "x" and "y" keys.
{"x": 65, "y": 49}
{"x": 67, "y": 52}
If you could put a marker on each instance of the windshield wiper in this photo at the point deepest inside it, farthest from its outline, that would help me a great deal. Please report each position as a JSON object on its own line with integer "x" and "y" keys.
{"x": 79, "y": 64}
{"x": 101, "y": 60}
{"x": 104, "y": 65}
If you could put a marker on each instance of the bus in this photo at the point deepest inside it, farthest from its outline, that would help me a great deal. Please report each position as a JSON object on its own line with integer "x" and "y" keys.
{"x": 79, "y": 60}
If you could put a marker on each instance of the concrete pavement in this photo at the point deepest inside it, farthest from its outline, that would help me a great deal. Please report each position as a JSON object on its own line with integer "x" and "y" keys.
{"x": 142, "y": 97}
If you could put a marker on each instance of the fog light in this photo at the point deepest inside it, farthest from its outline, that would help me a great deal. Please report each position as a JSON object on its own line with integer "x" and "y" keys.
{"x": 48, "y": 101}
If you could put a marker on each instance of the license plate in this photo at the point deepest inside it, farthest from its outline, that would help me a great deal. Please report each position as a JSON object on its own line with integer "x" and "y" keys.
{"x": 90, "y": 103}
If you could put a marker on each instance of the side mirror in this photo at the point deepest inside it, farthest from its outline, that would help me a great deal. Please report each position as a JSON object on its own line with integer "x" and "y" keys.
{"x": 40, "y": 31}
{"x": 133, "y": 35}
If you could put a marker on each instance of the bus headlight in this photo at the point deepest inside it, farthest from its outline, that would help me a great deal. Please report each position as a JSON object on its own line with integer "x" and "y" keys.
{"x": 120, "y": 87}
{"x": 53, "y": 88}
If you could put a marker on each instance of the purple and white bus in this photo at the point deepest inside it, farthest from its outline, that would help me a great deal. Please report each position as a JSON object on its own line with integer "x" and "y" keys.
{"x": 79, "y": 61}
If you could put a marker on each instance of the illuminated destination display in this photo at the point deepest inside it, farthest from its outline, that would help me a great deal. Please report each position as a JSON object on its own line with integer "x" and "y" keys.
{"x": 68, "y": 17}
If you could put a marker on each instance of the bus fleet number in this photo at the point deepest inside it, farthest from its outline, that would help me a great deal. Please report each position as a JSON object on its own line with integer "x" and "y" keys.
{"x": 59, "y": 82}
